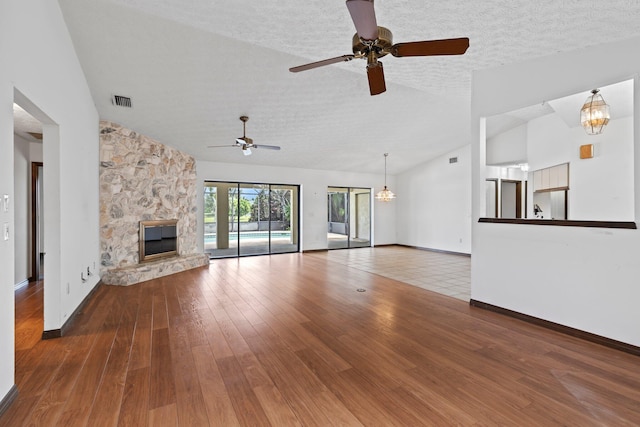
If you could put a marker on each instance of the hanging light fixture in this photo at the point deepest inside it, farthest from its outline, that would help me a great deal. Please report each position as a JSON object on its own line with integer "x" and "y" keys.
{"x": 385, "y": 195}
{"x": 594, "y": 114}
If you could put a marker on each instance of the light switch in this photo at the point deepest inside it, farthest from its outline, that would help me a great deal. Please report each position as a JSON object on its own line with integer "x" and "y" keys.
{"x": 6, "y": 203}
{"x": 5, "y": 231}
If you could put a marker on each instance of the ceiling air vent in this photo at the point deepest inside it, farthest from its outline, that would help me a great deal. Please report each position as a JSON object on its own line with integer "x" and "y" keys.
{"x": 121, "y": 101}
{"x": 453, "y": 160}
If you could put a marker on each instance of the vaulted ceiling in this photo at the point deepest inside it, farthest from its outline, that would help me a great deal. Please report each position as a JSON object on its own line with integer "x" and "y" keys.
{"x": 192, "y": 68}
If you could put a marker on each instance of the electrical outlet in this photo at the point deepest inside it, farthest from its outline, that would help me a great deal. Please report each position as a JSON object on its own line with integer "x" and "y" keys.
{"x": 5, "y": 230}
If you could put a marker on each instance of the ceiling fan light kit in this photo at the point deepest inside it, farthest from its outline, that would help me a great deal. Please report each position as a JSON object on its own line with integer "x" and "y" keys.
{"x": 246, "y": 143}
{"x": 372, "y": 42}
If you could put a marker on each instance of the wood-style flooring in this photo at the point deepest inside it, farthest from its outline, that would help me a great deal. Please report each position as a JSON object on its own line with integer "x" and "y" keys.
{"x": 291, "y": 340}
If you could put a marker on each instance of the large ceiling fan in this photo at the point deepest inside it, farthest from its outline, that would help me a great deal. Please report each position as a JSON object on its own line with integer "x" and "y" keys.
{"x": 246, "y": 143}
{"x": 373, "y": 42}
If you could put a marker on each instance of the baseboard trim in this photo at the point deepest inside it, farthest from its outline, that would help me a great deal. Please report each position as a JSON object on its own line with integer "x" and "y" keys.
{"x": 314, "y": 250}
{"x": 57, "y": 333}
{"x": 8, "y": 399}
{"x": 21, "y": 284}
{"x": 587, "y": 336}
{"x": 442, "y": 251}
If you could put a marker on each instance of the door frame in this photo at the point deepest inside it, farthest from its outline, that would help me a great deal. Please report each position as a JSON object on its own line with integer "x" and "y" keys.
{"x": 348, "y": 215}
{"x": 518, "y": 196}
{"x": 35, "y": 256}
{"x": 495, "y": 198}
{"x": 295, "y": 222}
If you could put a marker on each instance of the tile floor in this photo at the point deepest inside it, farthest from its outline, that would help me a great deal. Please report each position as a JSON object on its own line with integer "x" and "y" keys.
{"x": 447, "y": 274}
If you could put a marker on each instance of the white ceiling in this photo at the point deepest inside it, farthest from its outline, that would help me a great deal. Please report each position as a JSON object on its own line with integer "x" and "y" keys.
{"x": 192, "y": 68}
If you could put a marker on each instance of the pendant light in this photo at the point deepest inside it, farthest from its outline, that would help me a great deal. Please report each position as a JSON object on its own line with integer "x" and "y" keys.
{"x": 594, "y": 114}
{"x": 385, "y": 195}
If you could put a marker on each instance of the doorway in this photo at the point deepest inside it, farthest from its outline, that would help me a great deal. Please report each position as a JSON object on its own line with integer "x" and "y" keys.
{"x": 27, "y": 177}
{"x": 37, "y": 221}
{"x": 491, "y": 193}
{"x": 349, "y": 217}
{"x": 43, "y": 143}
{"x": 511, "y": 199}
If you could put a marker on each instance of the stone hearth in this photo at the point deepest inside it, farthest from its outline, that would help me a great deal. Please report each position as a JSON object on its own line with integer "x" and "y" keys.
{"x": 152, "y": 269}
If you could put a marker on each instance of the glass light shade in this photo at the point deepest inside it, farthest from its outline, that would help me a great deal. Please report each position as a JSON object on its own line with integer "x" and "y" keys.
{"x": 385, "y": 195}
{"x": 594, "y": 114}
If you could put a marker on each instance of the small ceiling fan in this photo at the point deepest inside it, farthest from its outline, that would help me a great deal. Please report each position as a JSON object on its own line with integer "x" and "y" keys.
{"x": 373, "y": 42}
{"x": 246, "y": 143}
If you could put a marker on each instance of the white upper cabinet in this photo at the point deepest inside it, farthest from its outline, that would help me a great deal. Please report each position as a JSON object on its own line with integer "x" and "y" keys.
{"x": 553, "y": 178}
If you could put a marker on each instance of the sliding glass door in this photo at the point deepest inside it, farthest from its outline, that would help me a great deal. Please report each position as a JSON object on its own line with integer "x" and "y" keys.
{"x": 284, "y": 218}
{"x": 253, "y": 226}
{"x": 250, "y": 219}
{"x": 349, "y": 217}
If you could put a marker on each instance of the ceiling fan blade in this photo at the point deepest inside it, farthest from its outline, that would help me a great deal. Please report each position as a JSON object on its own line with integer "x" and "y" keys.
{"x": 363, "y": 16}
{"x": 219, "y": 146}
{"x": 343, "y": 58}
{"x": 431, "y": 47}
{"x": 268, "y": 147}
{"x": 375, "y": 73}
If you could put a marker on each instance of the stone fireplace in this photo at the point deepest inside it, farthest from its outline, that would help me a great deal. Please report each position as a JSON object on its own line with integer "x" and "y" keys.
{"x": 145, "y": 182}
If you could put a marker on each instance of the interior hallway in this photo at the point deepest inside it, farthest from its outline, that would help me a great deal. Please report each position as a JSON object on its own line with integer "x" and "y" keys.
{"x": 288, "y": 340}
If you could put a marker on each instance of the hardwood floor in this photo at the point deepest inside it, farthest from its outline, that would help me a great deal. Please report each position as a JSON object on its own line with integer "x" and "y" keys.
{"x": 288, "y": 340}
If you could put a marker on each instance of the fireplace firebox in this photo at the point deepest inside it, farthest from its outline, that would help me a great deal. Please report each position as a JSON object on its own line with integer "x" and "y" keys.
{"x": 158, "y": 239}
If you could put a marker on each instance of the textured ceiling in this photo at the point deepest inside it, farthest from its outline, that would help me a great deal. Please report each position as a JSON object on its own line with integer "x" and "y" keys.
{"x": 192, "y": 68}
{"x": 25, "y": 125}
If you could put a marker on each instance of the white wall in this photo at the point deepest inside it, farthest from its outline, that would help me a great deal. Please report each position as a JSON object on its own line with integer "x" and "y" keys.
{"x": 313, "y": 202}
{"x": 508, "y": 147}
{"x": 25, "y": 152}
{"x": 601, "y": 188}
{"x": 41, "y": 72}
{"x": 434, "y": 203}
{"x": 22, "y": 211}
{"x": 585, "y": 278}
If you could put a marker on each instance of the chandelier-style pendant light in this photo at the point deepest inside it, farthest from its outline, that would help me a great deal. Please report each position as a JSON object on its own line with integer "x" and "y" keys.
{"x": 385, "y": 195}
{"x": 594, "y": 114}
